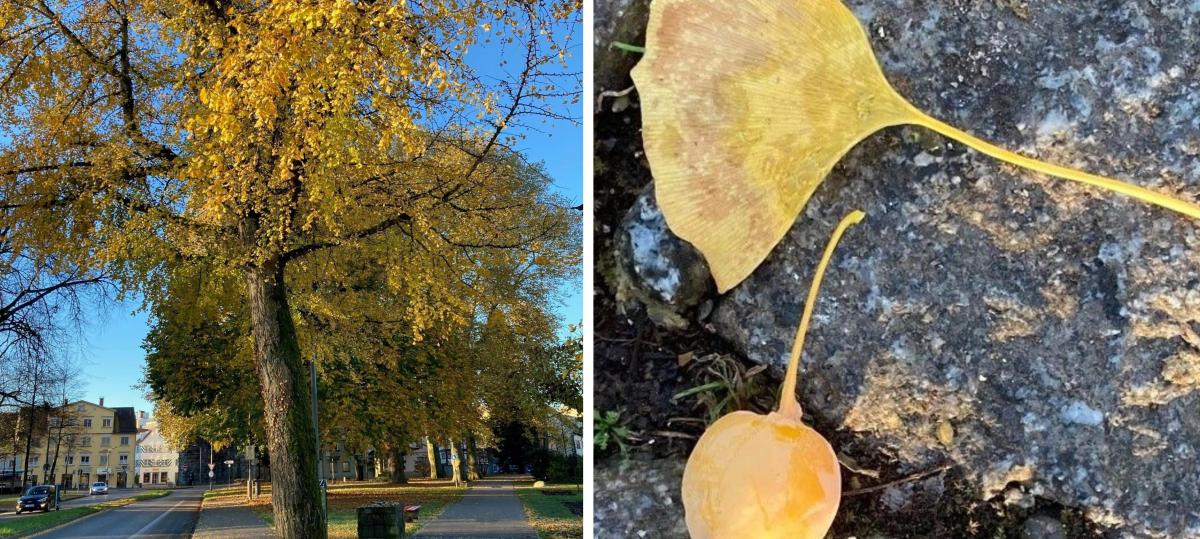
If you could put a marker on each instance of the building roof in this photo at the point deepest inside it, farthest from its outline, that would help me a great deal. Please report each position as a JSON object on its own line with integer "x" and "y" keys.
{"x": 126, "y": 422}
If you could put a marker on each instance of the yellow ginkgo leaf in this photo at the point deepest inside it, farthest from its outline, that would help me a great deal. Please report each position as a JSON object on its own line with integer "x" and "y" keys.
{"x": 746, "y": 106}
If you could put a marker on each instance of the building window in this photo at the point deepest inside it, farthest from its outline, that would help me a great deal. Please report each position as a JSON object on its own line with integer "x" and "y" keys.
{"x": 146, "y": 477}
{"x": 108, "y": 422}
{"x": 70, "y": 459}
{"x": 105, "y": 441}
{"x": 124, "y": 440}
{"x": 33, "y": 461}
{"x": 345, "y": 466}
{"x": 85, "y": 441}
{"x": 87, "y": 422}
{"x": 78, "y": 407}
{"x": 85, "y": 459}
{"x": 124, "y": 460}
{"x": 104, "y": 459}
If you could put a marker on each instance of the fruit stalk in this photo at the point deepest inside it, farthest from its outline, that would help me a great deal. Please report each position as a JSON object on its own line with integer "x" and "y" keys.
{"x": 788, "y": 404}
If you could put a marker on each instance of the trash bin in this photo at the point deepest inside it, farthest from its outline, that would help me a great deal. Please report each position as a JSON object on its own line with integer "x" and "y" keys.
{"x": 381, "y": 520}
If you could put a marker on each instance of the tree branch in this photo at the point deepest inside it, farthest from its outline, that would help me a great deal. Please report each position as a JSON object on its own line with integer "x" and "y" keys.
{"x": 377, "y": 228}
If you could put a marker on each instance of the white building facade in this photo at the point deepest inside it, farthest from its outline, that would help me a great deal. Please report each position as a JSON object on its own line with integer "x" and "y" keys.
{"x": 157, "y": 463}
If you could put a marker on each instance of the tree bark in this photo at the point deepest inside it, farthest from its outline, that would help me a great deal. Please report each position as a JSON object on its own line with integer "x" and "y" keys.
{"x": 296, "y": 496}
{"x": 472, "y": 466}
{"x": 58, "y": 440}
{"x": 29, "y": 433}
{"x": 397, "y": 457}
{"x": 431, "y": 456}
{"x": 455, "y": 468}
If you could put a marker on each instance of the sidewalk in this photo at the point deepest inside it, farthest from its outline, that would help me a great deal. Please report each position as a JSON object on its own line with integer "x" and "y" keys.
{"x": 490, "y": 508}
{"x": 230, "y": 522}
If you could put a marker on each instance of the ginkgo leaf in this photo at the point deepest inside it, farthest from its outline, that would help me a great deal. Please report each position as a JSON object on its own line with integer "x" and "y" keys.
{"x": 747, "y": 106}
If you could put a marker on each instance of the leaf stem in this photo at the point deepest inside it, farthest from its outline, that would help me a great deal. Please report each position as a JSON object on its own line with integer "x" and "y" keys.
{"x": 788, "y": 404}
{"x": 1174, "y": 204}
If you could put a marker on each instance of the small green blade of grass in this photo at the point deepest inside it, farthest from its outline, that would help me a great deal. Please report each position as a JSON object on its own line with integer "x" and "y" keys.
{"x": 698, "y": 389}
{"x": 628, "y": 48}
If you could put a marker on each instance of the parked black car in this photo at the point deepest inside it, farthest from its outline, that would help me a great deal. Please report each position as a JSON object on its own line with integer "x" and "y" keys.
{"x": 36, "y": 497}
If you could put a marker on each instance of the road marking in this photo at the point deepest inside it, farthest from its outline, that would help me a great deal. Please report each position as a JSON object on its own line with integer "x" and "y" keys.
{"x": 140, "y": 533}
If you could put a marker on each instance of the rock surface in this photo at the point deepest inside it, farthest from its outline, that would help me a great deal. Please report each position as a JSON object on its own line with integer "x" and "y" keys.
{"x": 621, "y": 21}
{"x": 654, "y": 268}
{"x": 1051, "y": 326}
{"x": 639, "y": 498}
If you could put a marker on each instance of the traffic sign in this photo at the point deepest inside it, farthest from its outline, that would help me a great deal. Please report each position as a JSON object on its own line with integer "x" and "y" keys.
{"x": 211, "y": 466}
{"x": 229, "y": 462}
{"x": 210, "y": 474}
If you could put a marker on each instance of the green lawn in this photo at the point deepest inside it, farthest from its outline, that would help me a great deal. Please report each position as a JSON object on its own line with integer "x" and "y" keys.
{"x": 549, "y": 513}
{"x": 148, "y": 495}
{"x": 345, "y": 498}
{"x": 23, "y": 526}
{"x": 26, "y": 525}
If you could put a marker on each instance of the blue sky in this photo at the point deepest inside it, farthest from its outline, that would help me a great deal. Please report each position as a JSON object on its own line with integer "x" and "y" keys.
{"x": 109, "y": 348}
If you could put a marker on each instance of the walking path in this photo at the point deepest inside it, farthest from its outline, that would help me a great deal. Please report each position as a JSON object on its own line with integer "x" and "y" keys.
{"x": 231, "y": 522}
{"x": 490, "y": 508}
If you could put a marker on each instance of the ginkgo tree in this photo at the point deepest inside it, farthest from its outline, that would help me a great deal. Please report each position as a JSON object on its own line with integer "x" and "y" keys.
{"x": 255, "y": 136}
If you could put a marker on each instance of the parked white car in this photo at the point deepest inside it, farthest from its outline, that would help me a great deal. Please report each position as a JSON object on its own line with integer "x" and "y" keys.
{"x": 99, "y": 487}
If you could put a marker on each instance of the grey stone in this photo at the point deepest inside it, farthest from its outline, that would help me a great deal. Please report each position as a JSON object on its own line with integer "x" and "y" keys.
{"x": 667, "y": 268}
{"x": 638, "y": 498}
{"x": 1043, "y": 527}
{"x": 1047, "y": 321}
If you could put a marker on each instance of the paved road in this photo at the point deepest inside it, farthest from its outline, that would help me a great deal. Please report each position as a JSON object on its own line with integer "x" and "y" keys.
{"x": 489, "y": 508}
{"x": 171, "y": 516}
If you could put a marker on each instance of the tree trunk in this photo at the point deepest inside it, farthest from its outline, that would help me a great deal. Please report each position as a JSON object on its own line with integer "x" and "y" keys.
{"x": 431, "y": 456}
{"x": 296, "y": 496}
{"x": 472, "y": 466}
{"x": 397, "y": 458}
{"x": 57, "y": 445}
{"x": 29, "y": 433}
{"x": 456, "y": 469}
